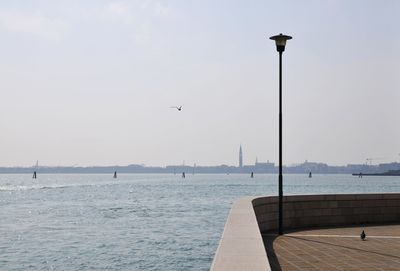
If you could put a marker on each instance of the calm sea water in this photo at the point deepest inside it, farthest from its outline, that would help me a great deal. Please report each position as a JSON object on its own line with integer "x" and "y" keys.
{"x": 136, "y": 222}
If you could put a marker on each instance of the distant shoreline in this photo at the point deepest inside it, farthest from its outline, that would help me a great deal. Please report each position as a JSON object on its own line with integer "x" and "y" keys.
{"x": 304, "y": 168}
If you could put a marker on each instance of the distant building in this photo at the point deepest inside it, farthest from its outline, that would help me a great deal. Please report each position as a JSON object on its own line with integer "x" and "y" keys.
{"x": 389, "y": 166}
{"x": 264, "y": 167}
{"x": 240, "y": 157}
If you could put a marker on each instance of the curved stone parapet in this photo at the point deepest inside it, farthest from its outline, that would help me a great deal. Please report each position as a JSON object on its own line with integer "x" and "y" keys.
{"x": 327, "y": 210}
{"x": 241, "y": 246}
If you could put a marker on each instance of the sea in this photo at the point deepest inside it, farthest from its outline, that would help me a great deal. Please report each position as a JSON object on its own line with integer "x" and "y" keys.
{"x": 137, "y": 221}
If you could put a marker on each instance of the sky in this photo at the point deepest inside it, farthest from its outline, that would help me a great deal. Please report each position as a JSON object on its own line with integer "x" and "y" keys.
{"x": 92, "y": 82}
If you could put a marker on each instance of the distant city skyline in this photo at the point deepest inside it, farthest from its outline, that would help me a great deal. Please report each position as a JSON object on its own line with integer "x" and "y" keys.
{"x": 92, "y": 82}
{"x": 306, "y": 167}
{"x": 240, "y": 164}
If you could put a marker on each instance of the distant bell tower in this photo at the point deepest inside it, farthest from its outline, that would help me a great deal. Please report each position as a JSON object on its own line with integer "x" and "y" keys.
{"x": 240, "y": 157}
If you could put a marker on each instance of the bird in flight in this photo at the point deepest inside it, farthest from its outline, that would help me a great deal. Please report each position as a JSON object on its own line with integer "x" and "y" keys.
{"x": 177, "y": 107}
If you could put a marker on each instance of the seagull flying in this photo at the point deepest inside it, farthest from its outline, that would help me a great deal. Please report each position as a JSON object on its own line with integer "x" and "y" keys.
{"x": 177, "y": 107}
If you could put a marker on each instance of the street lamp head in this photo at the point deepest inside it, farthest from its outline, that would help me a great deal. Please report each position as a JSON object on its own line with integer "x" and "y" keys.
{"x": 280, "y": 41}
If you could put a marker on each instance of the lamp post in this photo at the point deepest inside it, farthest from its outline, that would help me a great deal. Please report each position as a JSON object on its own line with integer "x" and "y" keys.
{"x": 280, "y": 41}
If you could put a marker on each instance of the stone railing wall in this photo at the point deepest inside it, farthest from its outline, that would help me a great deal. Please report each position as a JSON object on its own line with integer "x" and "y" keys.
{"x": 327, "y": 210}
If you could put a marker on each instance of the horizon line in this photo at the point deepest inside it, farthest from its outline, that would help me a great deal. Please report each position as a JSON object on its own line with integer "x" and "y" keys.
{"x": 195, "y": 165}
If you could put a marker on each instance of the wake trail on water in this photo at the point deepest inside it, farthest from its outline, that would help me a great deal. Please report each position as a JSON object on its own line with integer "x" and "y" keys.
{"x": 44, "y": 187}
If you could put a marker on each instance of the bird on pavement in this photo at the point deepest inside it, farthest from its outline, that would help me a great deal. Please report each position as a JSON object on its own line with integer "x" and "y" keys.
{"x": 363, "y": 235}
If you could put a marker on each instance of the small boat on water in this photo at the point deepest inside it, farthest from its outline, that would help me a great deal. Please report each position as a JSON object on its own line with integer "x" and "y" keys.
{"x": 387, "y": 173}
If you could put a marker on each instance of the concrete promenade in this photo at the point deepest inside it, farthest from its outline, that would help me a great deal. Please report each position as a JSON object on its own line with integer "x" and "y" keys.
{"x": 335, "y": 249}
{"x": 249, "y": 240}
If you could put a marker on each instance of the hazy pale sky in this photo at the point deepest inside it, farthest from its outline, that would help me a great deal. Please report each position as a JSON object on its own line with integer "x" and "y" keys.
{"x": 91, "y": 82}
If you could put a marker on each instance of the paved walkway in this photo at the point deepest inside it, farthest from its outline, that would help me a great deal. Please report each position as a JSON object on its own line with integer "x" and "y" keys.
{"x": 335, "y": 249}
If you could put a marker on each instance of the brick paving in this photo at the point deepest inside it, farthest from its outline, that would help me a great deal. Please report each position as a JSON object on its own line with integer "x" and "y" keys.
{"x": 335, "y": 249}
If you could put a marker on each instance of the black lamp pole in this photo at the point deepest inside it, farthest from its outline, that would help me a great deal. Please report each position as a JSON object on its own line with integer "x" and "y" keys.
{"x": 280, "y": 41}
